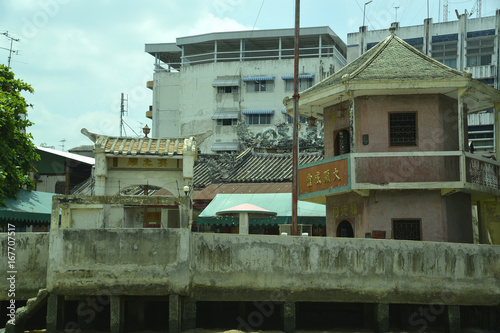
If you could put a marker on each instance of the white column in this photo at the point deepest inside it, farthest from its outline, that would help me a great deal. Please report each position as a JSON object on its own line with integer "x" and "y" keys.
{"x": 243, "y": 223}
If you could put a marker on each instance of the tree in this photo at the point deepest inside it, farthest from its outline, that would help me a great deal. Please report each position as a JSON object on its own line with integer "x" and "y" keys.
{"x": 17, "y": 151}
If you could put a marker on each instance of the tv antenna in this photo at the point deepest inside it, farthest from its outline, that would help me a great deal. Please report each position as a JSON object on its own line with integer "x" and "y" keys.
{"x": 12, "y": 39}
{"x": 122, "y": 112}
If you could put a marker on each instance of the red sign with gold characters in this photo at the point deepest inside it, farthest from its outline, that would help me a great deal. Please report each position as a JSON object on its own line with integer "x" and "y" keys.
{"x": 323, "y": 176}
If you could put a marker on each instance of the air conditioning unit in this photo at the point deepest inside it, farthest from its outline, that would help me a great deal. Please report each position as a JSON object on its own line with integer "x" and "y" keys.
{"x": 301, "y": 228}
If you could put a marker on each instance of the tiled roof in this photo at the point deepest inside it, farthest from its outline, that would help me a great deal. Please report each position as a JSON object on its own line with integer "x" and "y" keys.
{"x": 391, "y": 59}
{"x": 269, "y": 167}
{"x": 212, "y": 190}
{"x": 251, "y": 168}
{"x": 145, "y": 146}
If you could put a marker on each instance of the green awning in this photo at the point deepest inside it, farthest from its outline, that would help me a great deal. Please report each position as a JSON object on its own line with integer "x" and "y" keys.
{"x": 281, "y": 203}
{"x": 34, "y": 207}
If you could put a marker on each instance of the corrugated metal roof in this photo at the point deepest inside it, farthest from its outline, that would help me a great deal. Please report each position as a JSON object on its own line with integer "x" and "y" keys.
{"x": 259, "y": 78}
{"x": 34, "y": 207}
{"x": 226, "y": 115}
{"x": 75, "y": 157}
{"x": 258, "y": 112}
{"x": 303, "y": 76}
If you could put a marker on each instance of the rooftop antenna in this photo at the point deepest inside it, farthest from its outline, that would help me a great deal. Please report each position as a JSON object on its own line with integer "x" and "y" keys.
{"x": 122, "y": 112}
{"x": 62, "y": 144}
{"x": 445, "y": 11}
{"x": 12, "y": 39}
{"x": 396, "y": 13}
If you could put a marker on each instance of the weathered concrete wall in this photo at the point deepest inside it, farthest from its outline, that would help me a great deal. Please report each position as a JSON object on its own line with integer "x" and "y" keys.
{"x": 32, "y": 253}
{"x": 256, "y": 267}
{"x": 118, "y": 261}
{"x": 348, "y": 270}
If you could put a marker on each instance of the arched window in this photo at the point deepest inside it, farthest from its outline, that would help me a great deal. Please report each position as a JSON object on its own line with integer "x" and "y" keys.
{"x": 344, "y": 229}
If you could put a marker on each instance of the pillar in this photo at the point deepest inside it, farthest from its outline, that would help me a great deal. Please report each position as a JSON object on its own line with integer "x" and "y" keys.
{"x": 116, "y": 314}
{"x": 289, "y": 317}
{"x": 174, "y": 315}
{"x": 55, "y": 312}
{"x": 381, "y": 314}
{"x": 453, "y": 319}
{"x": 243, "y": 223}
{"x": 188, "y": 314}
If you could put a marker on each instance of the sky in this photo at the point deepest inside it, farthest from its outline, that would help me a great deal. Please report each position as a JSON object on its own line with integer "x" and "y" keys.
{"x": 79, "y": 56}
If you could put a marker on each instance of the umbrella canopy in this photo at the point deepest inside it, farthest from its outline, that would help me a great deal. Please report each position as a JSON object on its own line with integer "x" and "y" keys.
{"x": 246, "y": 208}
{"x": 281, "y": 203}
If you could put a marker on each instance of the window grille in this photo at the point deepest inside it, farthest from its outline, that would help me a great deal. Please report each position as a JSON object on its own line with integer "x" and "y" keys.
{"x": 403, "y": 129}
{"x": 406, "y": 229}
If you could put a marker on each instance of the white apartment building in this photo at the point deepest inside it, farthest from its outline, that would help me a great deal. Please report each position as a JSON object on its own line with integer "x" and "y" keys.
{"x": 212, "y": 81}
{"x": 471, "y": 44}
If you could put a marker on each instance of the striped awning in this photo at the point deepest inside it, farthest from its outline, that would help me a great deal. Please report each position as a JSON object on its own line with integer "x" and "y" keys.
{"x": 258, "y": 78}
{"x": 258, "y": 112}
{"x": 226, "y": 146}
{"x": 226, "y": 115}
{"x": 226, "y": 82}
{"x": 304, "y": 76}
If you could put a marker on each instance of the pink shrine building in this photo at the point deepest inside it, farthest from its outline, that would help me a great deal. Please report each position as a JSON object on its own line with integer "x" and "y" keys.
{"x": 397, "y": 160}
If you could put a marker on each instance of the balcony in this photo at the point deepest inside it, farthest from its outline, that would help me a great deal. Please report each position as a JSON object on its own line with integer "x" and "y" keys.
{"x": 150, "y": 84}
{"x": 482, "y": 72}
{"x": 361, "y": 172}
{"x": 149, "y": 113}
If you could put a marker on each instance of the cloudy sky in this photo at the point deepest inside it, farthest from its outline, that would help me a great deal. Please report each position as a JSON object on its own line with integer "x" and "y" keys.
{"x": 79, "y": 56}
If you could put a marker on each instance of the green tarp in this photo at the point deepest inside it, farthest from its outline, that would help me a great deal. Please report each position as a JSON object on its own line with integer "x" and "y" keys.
{"x": 281, "y": 203}
{"x": 34, "y": 207}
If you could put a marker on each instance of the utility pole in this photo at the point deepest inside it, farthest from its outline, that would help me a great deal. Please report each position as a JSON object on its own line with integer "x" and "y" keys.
{"x": 12, "y": 39}
{"x": 122, "y": 112}
{"x": 295, "y": 155}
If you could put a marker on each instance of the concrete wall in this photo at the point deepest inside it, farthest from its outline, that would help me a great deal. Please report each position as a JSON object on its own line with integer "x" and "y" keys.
{"x": 345, "y": 270}
{"x": 258, "y": 267}
{"x": 32, "y": 254}
{"x": 119, "y": 261}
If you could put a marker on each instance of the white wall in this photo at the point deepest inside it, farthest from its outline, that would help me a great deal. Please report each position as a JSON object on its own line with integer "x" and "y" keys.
{"x": 198, "y": 100}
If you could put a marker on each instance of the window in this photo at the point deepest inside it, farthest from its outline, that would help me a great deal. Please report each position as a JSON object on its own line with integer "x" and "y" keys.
{"x": 260, "y": 86}
{"x": 406, "y": 229}
{"x": 259, "y": 119}
{"x": 446, "y": 53}
{"x": 227, "y": 122}
{"x": 227, "y": 89}
{"x": 303, "y": 84}
{"x": 479, "y": 52}
{"x": 403, "y": 129}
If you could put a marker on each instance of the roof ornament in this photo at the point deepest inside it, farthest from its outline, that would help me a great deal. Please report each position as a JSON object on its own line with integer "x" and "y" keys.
{"x": 392, "y": 30}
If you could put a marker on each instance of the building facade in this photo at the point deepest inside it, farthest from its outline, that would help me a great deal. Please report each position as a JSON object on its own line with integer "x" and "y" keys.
{"x": 397, "y": 163}
{"x": 470, "y": 44}
{"x": 213, "y": 81}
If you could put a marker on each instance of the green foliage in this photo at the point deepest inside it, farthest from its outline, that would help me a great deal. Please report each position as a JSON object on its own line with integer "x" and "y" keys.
{"x": 17, "y": 151}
